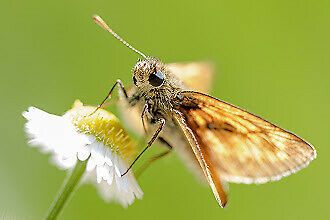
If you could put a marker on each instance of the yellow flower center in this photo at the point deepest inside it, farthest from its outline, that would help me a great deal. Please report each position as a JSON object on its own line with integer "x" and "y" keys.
{"x": 104, "y": 126}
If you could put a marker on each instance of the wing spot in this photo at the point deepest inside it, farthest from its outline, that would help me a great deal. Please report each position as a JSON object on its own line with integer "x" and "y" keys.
{"x": 225, "y": 126}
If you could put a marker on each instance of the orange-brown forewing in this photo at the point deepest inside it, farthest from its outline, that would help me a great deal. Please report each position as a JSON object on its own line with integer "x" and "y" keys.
{"x": 242, "y": 147}
{"x": 203, "y": 158}
{"x": 233, "y": 145}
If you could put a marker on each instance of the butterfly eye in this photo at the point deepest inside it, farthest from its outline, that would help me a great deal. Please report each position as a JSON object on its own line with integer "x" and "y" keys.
{"x": 156, "y": 79}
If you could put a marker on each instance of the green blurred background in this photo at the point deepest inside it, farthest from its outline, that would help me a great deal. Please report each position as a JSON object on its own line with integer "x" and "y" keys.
{"x": 272, "y": 57}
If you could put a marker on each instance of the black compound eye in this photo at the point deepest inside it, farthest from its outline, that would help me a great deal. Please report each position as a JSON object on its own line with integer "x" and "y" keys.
{"x": 156, "y": 79}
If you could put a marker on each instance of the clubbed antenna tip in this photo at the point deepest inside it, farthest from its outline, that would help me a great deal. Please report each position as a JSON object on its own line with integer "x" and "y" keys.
{"x": 98, "y": 20}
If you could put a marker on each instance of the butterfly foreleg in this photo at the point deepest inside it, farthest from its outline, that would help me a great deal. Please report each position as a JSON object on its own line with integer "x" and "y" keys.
{"x": 144, "y": 111}
{"x": 121, "y": 87}
{"x": 155, "y": 157}
{"x": 161, "y": 123}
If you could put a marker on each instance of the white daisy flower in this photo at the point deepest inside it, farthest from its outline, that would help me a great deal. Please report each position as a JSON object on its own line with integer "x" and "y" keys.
{"x": 80, "y": 135}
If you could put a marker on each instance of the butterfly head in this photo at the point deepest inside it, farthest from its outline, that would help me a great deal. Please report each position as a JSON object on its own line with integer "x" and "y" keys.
{"x": 149, "y": 73}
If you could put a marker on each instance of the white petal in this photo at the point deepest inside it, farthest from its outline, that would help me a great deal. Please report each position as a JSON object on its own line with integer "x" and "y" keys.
{"x": 99, "y": 173}
{"x": 54, "y": 134}
{"x": 108, "y": 158}
{"x": 110, "y": 175}
{"x": 111, "y": 185}
{"x": 57, "y": 135}
{"x": 90, "y": 165}
{"x": 98, "y": 153}
{"x": 84, "y": 153}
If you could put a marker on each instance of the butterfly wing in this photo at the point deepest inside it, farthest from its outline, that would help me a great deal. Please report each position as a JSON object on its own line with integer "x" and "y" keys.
{"x": 203, "y": 158}
{"x": 236, "y": 146}
{"x": 196, "y": 76}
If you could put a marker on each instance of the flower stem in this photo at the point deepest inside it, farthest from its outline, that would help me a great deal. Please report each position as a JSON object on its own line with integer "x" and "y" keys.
{"x": 67, "y": 189}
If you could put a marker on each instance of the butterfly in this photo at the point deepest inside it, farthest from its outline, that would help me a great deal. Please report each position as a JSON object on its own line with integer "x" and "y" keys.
{"x": 222, "y": 142}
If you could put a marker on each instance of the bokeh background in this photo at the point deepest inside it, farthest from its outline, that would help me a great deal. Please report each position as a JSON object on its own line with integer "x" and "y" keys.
{"x": 271, "y": 57}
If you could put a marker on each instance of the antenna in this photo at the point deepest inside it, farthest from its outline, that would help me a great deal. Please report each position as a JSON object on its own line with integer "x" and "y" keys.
{"x": 98, "y": 20}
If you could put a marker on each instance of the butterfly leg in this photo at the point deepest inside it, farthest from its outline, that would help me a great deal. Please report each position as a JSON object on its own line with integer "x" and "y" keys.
{"x": 144, "y": 111}
{"x": 121, "y": 87}
{"x": 155, "y": 157}
{"x": 161, "y": 123}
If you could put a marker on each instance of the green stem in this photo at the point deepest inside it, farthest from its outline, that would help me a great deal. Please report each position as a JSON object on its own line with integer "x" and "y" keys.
{"x": 67, "y": 189}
